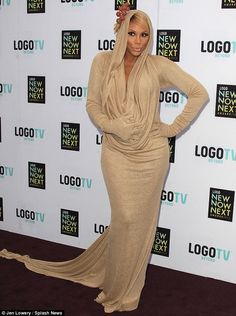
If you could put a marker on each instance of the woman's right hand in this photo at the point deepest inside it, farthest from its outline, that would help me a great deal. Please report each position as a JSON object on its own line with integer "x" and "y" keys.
{"x": 126, "y": 128}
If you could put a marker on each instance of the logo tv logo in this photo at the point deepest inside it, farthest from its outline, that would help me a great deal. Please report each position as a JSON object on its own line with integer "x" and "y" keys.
{"x": 172, "y": 99}
{"x": 99, "y": 229}
{"x": 220, "y": 48}
{"x": 30, "y": 216}
{"x": 75, "y": 182}
{"x": 70, "y": 136}
{"x": 225, "y": 101}
{"x": 29, "y": 46}
{"x": 132, "y": 4}
{"x": 4, "y": 3}
{"x": 76, "y": 93}
{"x": 209, "y": 253}
{"x": 35, "y": 6}
{"x": 228, "y": 4}
{"x": 71, "y": 44}
{"x": 29, "y": 132}
{"x": 6, "y": 171}
{"x": 215, "y": 154}
{"x": 1, "y": 209}
{"x": 161, "y": 245}
{"x": 171, "y": 198}
{"x": 70, "y": 223}
{"x": 37, "y": 175}
{"x": 221, "y": 204}
{"x": 106, "y": 44}
{"x": 99, "y": 139}
{"x": 168, "y": 44}
{"x": 75, "y": 3}
{"x": 5, "y": 88}
{"x": 36, "y": 89}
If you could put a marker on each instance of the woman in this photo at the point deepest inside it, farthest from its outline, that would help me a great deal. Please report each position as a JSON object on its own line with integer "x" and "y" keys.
{"x": 135, "y": 151}
{"x": 123, "y": 95}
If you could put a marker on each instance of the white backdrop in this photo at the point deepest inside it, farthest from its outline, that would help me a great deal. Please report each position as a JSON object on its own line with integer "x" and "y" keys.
{"x": 51, "y": 186}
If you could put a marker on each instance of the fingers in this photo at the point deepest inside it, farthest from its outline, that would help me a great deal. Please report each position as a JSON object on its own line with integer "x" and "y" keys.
{"x": 134, "y": 134}
{"x": 129, "y": 119}
{"x": 127, "y": 131}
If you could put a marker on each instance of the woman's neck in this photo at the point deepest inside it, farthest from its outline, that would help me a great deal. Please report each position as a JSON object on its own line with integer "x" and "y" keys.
{"x": 128, "y": 65}
{"x": 130, "y": 60}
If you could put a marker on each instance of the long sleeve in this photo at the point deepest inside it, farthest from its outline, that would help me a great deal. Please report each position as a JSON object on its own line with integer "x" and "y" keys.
{"x": 94, "y": 99}
{"x": 123, "y": 127}
{"x": 172, "y": 76}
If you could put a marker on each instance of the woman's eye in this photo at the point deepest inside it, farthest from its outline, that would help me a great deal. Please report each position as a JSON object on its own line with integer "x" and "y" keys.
{"x": 144, "y": 34}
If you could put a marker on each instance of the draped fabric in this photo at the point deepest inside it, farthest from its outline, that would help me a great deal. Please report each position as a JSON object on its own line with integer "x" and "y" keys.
{"x": 134, "y": 170}
{"x": 135, "y": 98}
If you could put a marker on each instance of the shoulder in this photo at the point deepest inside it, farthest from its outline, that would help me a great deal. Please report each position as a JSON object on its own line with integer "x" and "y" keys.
{"x": 164, "y": 66}
{"x": 161, "y": 61}
{"x": 100, "y": 64}
{"x": 102, "y": 58}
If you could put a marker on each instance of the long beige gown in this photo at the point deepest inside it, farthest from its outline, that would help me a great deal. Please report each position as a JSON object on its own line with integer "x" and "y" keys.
{"x": 134, "y": 170}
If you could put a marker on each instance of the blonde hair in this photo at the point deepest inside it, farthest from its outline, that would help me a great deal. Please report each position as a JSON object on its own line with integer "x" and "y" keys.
{"x": 138, "y": 17}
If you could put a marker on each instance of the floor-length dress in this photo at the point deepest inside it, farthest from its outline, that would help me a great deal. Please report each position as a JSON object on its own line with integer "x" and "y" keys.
{"x": 134, "y": 171}
{"x": 134, "y": 189}
{"x": 116, "y": 262}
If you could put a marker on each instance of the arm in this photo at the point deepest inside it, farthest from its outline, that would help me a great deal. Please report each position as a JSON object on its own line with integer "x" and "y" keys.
{"x": 173, "y": 76}
{"x": 123, "y": 127}
{"x": 94, "y": 100}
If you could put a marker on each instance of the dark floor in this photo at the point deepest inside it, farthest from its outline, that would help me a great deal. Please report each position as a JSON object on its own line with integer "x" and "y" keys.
{"x": 166, "y": 292}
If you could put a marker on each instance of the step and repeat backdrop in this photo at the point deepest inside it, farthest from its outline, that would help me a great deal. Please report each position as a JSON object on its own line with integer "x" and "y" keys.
{"x": 51, "y": 185}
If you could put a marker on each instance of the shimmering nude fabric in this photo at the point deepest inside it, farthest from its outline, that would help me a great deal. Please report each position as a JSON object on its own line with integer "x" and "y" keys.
{"x": 134, "y": 169}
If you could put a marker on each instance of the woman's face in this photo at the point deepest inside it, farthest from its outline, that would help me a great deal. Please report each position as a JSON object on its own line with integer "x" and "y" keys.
{"x": 138, "y": 37}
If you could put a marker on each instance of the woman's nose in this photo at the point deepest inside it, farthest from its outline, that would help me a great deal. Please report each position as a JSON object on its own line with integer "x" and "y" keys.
{"x": 137, "y": 39}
